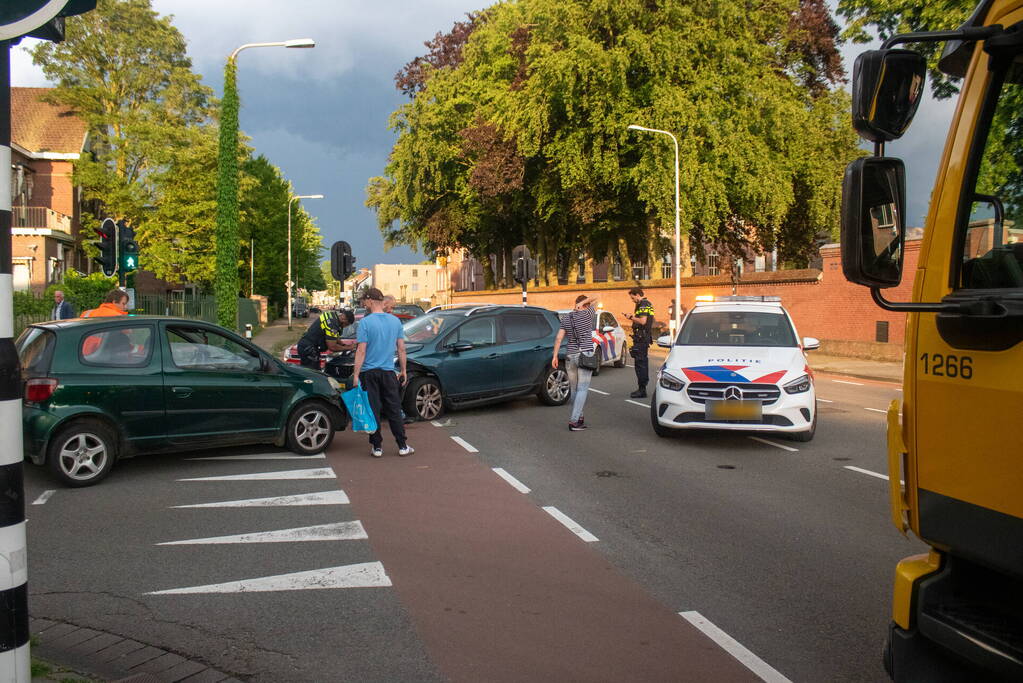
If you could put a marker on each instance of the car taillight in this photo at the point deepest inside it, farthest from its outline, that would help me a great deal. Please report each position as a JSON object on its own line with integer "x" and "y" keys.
{"x": 40, "y": 389}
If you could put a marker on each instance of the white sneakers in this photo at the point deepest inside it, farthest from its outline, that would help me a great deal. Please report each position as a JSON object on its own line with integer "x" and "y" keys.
{"x": 377, "y": 452}
{"x": 406, "y": 450}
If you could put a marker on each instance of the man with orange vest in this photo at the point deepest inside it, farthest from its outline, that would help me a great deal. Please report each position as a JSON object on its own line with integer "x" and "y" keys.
{"x": 114, "y": 303}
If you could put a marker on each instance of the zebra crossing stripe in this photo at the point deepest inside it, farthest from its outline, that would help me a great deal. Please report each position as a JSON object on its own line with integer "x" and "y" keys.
{"x": 324, "y": 498}
{"x": 365, "y": 575}
{"x": 319, "y": 473}
{"x": 264, "y": 456}
{"x": 337, "y": 531}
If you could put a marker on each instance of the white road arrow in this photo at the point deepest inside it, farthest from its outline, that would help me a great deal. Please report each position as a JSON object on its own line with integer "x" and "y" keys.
{"x": 324, "y": 473}
{"x": 366, "y": 575}
{"x": 338, "y": 531}
{"x": 324, "y": 498}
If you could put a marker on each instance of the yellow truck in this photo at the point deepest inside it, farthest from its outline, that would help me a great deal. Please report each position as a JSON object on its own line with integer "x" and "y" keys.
{"x": 955, "y": 443}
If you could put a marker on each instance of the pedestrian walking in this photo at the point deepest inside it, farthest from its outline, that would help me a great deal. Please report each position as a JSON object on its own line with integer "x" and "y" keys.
{"x": 642, "y": 337}
{"x": 62, "y": 310}
{"x": 379, "y": 337}
{"x": 324, "y": 334}
{"x": 114, "y": 303}
{"x": 577, "y": 326}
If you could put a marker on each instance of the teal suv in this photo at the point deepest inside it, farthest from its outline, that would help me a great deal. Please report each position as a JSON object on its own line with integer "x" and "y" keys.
{"x": 470, "y": 355}
{"x": 101, "y": 389}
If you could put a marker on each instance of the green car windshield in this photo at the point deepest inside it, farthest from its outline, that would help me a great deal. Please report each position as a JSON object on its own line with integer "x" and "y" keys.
{"x": 427, "y": 328}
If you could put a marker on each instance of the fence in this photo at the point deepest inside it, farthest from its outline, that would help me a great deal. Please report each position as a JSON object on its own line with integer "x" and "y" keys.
{"x": 194, "y": 308}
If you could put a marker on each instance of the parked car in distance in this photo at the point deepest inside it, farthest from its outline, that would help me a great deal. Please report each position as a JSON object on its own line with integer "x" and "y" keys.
{"x": 407, "y": 311}
{"x": 737, "y": 363}
{"x": 291, "y": 356}
{"x": 609, "y": 339}
{"x": 101, "y": 389}
{"x": 299, "y": 308}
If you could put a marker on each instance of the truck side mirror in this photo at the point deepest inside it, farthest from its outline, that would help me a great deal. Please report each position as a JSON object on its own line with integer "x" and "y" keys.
{"x": 887, "y": 88}
{"x": 873, "y": 221}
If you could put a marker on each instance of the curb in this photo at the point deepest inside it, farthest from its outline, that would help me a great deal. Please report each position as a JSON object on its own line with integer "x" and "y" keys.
{"x": 113, "y": 658}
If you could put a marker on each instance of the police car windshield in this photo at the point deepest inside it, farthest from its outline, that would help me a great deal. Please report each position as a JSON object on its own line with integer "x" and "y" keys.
{"x": 736, "y": 328}
{"x": 428, "y": 327}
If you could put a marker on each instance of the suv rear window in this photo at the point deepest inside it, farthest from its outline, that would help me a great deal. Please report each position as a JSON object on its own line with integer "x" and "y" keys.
{"x": 35, "y": 350}
{"x": 736, "y": 328}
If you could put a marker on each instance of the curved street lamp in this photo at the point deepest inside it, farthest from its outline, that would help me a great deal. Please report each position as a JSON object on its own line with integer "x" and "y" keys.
{"x": 290, "y": 284}
{"x": 678, "y": 239}
{"x": 226, "y": 275}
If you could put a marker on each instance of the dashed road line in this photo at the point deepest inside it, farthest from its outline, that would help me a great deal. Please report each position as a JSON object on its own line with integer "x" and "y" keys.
{"x": 324, "y": 498}
{"x": 570, "y": 524}
{"x": 637, "y": 403}
{"x": 516, "y": 484}
{"x": 776, "y": 445}
{"x": 824, "y": 400}
{"x": 868, "y": 472}
{"x": 465, "y": 444}
{"x": 335, "y": 531}
{"x": 842, "y": 381}
{"x": 876, "y": 410}
{"x": 598, "y": 391}
{"x": 762, "y": 669}
{"x": 45, "y": 496}
{"x": 436, "y": 423}
{"x": 365, "y": 575}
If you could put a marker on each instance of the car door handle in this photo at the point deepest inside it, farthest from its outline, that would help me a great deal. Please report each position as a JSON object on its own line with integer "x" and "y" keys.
{"x": 182, "y": 392}
{"x": 493, "y": 355}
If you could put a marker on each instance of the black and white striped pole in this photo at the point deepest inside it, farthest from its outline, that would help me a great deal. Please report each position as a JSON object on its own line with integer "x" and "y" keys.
{"x": 14, "y": 659}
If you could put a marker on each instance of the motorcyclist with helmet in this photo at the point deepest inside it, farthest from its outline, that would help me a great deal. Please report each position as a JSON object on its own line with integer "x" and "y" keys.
{"x": 324, "y": 334}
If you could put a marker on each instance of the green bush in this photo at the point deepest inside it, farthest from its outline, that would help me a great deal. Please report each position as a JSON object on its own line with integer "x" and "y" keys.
{"x": 32, "y": 305}
{"x": 82, "y": 291}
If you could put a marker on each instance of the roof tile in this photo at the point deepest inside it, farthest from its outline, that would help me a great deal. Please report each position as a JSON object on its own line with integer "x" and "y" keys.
{"x": 39, "y": 126}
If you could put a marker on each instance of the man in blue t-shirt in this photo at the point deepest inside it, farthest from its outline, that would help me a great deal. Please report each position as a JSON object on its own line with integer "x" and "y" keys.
{"x": 379, "y": 336}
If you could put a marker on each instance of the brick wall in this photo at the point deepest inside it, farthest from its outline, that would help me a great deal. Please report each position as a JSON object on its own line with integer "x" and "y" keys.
{"x": 822, "y": 303}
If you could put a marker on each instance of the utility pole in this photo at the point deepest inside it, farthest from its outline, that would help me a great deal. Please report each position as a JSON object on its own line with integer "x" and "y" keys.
{"x": 39, "y": 19}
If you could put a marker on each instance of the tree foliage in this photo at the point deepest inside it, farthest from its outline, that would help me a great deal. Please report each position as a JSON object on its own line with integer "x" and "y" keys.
{"x": 523, "y": 140}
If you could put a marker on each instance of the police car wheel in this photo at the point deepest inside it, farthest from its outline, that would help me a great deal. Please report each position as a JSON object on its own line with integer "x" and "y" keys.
{"x": 620, "y": 362}
{"x": 808, "y": 434}
{"x": 659, "y": 429}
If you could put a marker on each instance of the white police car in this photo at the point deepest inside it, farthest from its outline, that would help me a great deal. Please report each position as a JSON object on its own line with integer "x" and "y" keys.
{"x": 609, "y": 339}
{"x": 737, "y": 363}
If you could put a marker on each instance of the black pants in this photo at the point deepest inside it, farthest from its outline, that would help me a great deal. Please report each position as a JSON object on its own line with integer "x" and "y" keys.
{"x": 385, "y": 398}
{"x": 639, "y": 355}
{"x": 308, "y": 355}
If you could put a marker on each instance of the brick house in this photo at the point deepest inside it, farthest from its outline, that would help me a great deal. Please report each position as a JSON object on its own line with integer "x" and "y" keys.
{"x": 46, "y": 139}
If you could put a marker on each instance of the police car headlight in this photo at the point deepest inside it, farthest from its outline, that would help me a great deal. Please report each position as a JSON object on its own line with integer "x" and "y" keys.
{"x": 799, "y": 385}
{"x": 334, "y": 384}
{"x": 669, "y": 381}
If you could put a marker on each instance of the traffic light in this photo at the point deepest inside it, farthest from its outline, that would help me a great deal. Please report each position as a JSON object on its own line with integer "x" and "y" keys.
{"x": 129, "y": 248}
{"x": 107, "y": 245}
{"x": 525, "y": 270}
{"x": 342, "y": 263}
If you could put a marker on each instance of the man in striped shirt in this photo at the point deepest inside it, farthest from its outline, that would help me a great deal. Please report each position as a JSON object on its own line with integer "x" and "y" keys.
{"x": 578, "y": 326}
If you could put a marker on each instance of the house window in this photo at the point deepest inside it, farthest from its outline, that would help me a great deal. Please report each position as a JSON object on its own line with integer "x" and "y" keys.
{"x": 415, "y": 272}
{"x": 666, "y": 271}
{"x": 415, "y": 286}
{"x": 760, "y": 263}
{"x": 712, "y": 264}
{"x": 640, "y": 271}
{"x": 616, "y": 269}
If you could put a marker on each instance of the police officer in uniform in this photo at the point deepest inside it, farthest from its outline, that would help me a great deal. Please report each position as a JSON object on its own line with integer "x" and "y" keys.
{"x": 324, "y": 334}
{"x": 642, "y": 336}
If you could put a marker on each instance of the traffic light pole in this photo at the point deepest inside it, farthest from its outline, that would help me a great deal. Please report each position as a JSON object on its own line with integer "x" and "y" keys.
{"x": 14, "y": 658}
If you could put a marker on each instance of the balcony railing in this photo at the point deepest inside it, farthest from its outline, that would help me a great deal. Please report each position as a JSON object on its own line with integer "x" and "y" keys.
{"x": 39, "y": 217}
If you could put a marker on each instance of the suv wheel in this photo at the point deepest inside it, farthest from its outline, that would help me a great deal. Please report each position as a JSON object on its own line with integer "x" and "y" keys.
{"x": 310, "y": 429}
{"x": 659, "y": 429}
{"x": 554, "y": 389}
{"x": 82, "y": 453}
{"x": 620, "y": 363}
{"x": 424, "y": 399}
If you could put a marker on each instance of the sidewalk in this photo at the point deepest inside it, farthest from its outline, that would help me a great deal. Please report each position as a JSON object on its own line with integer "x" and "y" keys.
{"x": 277, "y": 333}
{"x": 878, "y": 370}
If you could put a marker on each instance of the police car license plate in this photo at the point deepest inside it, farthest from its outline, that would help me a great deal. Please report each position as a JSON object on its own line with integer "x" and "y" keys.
{"x": 717, "y": 411}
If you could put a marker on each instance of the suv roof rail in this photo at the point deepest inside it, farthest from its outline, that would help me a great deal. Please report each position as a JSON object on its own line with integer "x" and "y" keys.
{"x": 464, "y": 304}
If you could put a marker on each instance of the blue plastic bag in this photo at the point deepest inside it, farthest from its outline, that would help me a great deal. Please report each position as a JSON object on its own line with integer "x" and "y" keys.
{"x": 357, "y": 401}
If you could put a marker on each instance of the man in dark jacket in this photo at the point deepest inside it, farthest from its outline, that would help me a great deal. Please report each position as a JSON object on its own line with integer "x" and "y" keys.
{"x": 62, "y": 310}
{"x": 324, "y": 334}
{"x": 642, "y": 336}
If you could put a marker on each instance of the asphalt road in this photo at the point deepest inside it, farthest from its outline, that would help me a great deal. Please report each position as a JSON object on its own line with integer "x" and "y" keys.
{"x": 433, "y": 567}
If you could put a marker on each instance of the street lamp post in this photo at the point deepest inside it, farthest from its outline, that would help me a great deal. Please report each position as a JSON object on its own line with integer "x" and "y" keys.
{"x": 227, "y": 188}
{"x": 290, "y": 285}
{"x": 678, "y": 238}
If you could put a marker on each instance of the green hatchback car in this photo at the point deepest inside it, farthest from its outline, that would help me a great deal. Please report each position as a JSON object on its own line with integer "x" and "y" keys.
{"x": 101, "y": 389}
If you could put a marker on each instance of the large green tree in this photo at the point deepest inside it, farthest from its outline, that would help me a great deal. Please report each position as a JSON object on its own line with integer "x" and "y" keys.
{"x": 522, "y": 138}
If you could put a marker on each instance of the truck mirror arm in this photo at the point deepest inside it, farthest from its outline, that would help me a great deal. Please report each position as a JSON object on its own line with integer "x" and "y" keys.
{"x": 984, "y": 307}
{"x": 968, "y": 34}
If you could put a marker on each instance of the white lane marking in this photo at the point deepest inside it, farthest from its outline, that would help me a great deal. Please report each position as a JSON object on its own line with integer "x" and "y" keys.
{"x": 824, "y": 400}
{"x": 598, "y": 391}
{"x": 876, "y": 410}
{"x": 321, "y": 473}
{"x": 776, "y": 445}
{"x": 436, "y": 423}
{"x": 516, "y": 484}
{"x": 869, "y": 473}
{"x": 570, "y": 524}
{"x": 637, "y": 403}
{"x": 324, "y": 498}
{"x": 366, "y": 575}
{"x": 842, "y": 381}
{"x": 762, "y": 669}
{"x": 465, "y": 444}
{"x": 263, "y": 456}
{"x": 335, "y": 531}
{"x": 41, "y": 500}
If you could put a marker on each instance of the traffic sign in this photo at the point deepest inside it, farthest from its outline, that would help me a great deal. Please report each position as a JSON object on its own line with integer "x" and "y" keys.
{"x": 289, "y": 284}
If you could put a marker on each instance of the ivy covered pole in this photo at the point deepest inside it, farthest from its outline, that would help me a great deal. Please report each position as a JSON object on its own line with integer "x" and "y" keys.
{"x": 226, "y": 283}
